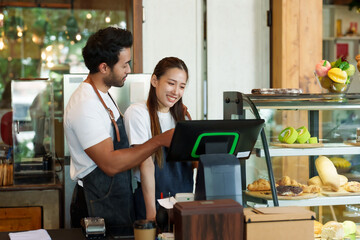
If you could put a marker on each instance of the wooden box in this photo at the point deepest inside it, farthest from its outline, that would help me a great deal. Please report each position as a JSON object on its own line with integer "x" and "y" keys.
{"x": 213, "y": 219}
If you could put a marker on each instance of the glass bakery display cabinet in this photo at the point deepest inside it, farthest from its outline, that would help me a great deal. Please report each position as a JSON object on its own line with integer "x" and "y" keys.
{"x": 334, "y": 120}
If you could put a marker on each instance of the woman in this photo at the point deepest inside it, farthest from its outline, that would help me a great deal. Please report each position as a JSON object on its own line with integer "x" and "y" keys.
{"x": 164, "y": 107}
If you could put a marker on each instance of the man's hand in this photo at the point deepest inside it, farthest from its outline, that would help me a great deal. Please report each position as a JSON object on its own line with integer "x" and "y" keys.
{"x": 166, "y": 137}
{"x": 114, "y": 161}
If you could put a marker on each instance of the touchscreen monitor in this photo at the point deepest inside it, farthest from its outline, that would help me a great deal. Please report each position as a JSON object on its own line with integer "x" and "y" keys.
{"x": 194, "y": 138}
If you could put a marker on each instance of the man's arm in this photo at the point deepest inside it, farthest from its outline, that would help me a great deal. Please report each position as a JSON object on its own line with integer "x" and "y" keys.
{"x": 147, "y": 174}
{"x": 114, "y": 161}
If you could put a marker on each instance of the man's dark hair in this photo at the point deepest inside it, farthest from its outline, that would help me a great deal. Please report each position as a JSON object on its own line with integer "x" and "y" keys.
{"x": 105, "y": 46}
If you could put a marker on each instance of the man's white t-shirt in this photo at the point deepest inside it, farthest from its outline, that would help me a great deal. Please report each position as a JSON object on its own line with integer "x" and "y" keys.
{"x": 86, "y": 123}
{"x": 138, "y": 127}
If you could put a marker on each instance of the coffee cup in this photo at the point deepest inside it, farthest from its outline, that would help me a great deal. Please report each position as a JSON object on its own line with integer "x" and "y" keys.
{"x": 144, "y": 230}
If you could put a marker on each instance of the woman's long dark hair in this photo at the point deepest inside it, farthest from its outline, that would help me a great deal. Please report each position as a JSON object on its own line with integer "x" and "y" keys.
{"x": 178, "y": 111}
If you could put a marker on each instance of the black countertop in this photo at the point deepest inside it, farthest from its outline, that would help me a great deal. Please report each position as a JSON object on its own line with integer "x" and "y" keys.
{"x": 65, "y": 234}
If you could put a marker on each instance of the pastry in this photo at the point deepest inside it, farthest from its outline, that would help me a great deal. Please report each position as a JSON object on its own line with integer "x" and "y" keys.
{"x": 287, "y": 181}
{"x": 349, "y": 227}
{"x": 332, "y": 230}
{"x": 313, "y": 140}
{"x": 310, "y": 189}
{"x": 317, "y": 228}
{"x": 357, "y": 58}
{"x": 289, "y": 191}
{"x": 327, "y": 173}
{"x": 303, "y": 135}
{"x": 259, "y": 185}
{"x": 352, "y": 186}
{"x": 288, "y": 135}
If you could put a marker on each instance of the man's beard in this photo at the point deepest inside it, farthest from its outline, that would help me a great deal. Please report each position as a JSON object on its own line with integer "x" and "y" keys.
{"x": 112, "y": 81}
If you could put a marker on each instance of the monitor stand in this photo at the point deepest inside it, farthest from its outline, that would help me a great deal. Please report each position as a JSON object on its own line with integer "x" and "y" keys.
{"x": 219, "y": 177}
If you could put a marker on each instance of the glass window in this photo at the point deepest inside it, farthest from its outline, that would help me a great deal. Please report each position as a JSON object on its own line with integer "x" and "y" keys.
{"x": 47, "y": 42}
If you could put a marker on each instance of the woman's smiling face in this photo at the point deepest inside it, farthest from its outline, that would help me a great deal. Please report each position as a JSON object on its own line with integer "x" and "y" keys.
{"x": 169, "y": 88}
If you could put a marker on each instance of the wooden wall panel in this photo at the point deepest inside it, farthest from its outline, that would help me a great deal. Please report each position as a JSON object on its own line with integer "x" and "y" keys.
{"x": 296, "y": 48}
{"x": 277, "y": 43}
{"x": 296, "y": 43}
{"x": 291, "y": 57}
{"x": 310, "y": 43}
{"x": 138, "y": 36}
{"x": 20, "y": 219}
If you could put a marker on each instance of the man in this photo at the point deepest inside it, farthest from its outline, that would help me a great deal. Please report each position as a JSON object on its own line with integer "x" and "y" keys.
{"x": 100, "y": 155}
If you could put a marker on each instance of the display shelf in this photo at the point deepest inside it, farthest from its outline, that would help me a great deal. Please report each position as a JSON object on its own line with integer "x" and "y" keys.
{"x": 337, "y": 20}
{"x": 354, "y": 38}
{"x": 318, "y": 201}
{"x": 345, "y": 38}
{"x": 321, "y": 113}
{"x": 305, "y": 101}
{"x": 329, "y": 39}
{"x": 327, "y": 149}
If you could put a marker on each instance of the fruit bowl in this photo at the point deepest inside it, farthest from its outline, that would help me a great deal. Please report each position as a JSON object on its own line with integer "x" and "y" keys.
{"x": 334, "y": 77}
{"x": 329, "y": 86}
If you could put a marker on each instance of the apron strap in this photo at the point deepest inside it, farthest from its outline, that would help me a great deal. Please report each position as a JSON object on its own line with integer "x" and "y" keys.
{"x": 111, "y": 114}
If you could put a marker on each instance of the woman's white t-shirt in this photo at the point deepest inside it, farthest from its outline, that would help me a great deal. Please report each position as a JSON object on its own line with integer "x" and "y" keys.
{"x": 138, "y": 127}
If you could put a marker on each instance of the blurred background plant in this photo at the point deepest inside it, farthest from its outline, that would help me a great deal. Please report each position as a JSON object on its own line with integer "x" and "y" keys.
{"x": 39, "y": 42}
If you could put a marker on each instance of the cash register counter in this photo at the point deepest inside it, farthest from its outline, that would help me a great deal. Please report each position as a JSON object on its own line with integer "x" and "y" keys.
{"x": 61, "y": 234}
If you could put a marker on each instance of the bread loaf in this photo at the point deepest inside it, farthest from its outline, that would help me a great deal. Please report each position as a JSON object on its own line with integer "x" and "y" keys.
{"x": 327, "y": 173}
{"x": 343, "y": 180}
{"x": 317, "y": 181}
{"x": 332, "y": 230}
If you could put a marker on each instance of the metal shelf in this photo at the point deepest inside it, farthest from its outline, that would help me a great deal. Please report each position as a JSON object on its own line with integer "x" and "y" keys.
{"x": 315, "y": 102}
{"x": 327, "y": 149}
{"x": 318, "y": 201}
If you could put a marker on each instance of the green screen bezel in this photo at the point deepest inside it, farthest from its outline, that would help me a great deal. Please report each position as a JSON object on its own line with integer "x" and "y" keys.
{"x": 232, "y": 150}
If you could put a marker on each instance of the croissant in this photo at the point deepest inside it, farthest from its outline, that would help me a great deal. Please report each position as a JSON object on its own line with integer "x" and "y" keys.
{"x": 259, "y": 185}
